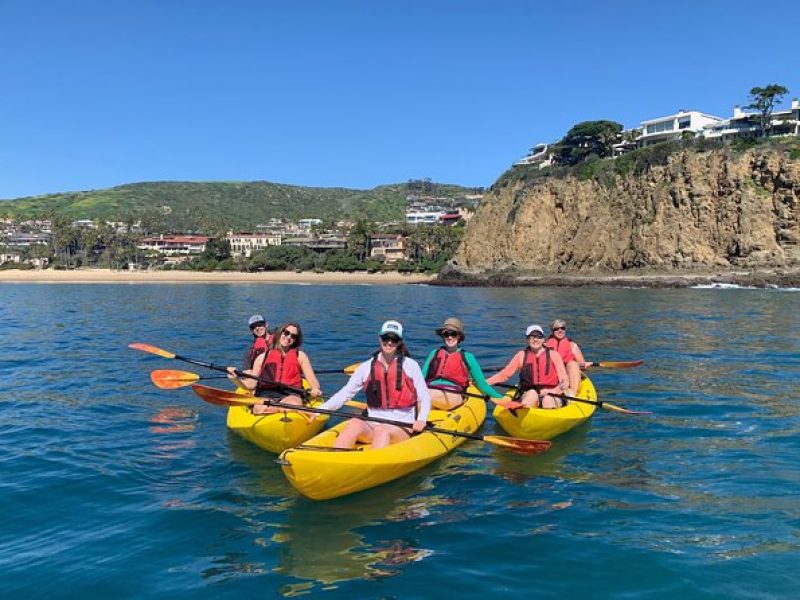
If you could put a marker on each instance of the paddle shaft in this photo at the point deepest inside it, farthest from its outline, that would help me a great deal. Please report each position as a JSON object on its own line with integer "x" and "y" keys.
{"x": 597, "y": 403}
{"x": 605, "y": 364}
{"x": 336, "y": 413}
{"x": 223, "y": 397}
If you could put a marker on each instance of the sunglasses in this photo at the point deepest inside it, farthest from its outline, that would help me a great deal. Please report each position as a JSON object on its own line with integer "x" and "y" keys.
{"x": 289, "y": 334}
{"x": 536, "y": 336}
{"x": 449, "y": 334}
{"x": 257, "y": 325}
{"x": 390, "y": 338}
{"x": 559, "y": 328}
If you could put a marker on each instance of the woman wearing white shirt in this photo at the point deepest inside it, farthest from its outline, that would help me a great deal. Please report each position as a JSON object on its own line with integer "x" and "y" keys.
{"x": 395, "y": 390}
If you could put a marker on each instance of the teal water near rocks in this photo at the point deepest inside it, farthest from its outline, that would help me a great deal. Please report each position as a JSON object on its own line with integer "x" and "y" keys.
{"x": 112, "y": 488}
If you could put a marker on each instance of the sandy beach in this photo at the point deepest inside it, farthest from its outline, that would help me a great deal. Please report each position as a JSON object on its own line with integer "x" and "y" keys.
{"x": 108, "y": 276}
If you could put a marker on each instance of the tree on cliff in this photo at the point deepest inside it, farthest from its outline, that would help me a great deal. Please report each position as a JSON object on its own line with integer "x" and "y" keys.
{"x": 585, "y": 139}
{"x": 763, "y": 100}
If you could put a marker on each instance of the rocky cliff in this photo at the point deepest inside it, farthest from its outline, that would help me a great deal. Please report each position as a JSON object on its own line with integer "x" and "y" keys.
{"x": 696, "y": 210}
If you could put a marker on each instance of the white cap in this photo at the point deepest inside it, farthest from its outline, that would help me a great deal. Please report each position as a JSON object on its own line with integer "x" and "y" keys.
{"x": 392, "y": 327}
{"x": 533, "y": 328}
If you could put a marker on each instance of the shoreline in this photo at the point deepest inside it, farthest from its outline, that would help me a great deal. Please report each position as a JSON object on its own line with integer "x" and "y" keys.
{"x": 90, "y": 276}
{"x": 755, "y": 278}
{"x": 764, "y": 278}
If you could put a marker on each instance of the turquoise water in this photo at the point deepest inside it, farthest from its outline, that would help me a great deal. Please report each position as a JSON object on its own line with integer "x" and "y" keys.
{"x": 112, "y": 488}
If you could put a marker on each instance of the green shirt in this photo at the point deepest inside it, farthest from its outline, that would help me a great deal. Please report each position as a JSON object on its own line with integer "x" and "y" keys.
{"x": 475, "y": 373}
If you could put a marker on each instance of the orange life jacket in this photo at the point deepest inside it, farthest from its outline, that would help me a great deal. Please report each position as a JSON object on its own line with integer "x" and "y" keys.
{"x": 450, "y": 366}
{"x": 259, "y": 346}
{"x": 389, "y": 387}
{"x": 537, "y": 370}
{"x": 281, "y": 368}
{"x": 564, "y": 348}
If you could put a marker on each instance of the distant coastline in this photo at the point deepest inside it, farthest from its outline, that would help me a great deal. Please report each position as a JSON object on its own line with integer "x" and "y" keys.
{"x": 758, "y": 278}
{"x": 109, "y": 276}
{"x": 763, "y": 278}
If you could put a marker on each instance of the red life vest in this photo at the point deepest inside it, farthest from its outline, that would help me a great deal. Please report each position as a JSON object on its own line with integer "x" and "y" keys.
{"x": 389, "y": 387}
{"x": 259, "y": 346}
{"x": 564, "y": 348}
{"x": 537, "y": 371}
{"x": 450, "y": 366}
{"x": 282, "y": 368}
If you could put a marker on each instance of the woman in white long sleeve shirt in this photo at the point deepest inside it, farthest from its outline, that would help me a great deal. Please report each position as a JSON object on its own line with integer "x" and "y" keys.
{"x": 395, "y": 389}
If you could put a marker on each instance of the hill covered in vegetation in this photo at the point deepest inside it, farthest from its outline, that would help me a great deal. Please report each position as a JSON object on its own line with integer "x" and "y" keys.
{"x": 189, "y": 206}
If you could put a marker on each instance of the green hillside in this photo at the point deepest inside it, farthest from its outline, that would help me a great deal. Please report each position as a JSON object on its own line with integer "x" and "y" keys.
{"x": 200, "y": 206}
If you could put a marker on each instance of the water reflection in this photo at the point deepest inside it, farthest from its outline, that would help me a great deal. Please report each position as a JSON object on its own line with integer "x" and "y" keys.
{"x": 366, "y": 536}
{"x": 326, "y": 542}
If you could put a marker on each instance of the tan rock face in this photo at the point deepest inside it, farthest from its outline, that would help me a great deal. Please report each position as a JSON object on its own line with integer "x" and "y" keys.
{"x": 699, "y": 210}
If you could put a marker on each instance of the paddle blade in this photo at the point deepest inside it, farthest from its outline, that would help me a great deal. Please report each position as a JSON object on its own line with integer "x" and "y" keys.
{"x": 626, "y": 411}
{"x": 518, "y": 445}
{"x": 350, "y": 369}
{"x": 223, "y": 397}
{"x": 151, "y": 350}
{"x": 169, "y": 380}
{"x": 619, "y": 364}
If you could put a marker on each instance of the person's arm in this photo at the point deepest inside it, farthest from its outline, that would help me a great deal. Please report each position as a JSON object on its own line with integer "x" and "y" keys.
{"x": 411, "y": 368}
{"x": 258, "y": 364}
{"x": 512, "y": 367}
{"x": 308, "y": 373}
{"x": 350, "y": 389}
{"x": 477, "y": 376}
{"x": 576, "y": 352}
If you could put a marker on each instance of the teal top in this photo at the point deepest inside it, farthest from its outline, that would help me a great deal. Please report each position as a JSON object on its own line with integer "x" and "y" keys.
{"x": 475, "y": 373}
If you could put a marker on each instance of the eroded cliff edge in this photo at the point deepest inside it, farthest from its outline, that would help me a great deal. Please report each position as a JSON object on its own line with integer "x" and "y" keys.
{"x": 700, "y": 213}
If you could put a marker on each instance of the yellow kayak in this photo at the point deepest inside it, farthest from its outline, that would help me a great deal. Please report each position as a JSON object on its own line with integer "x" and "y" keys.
{"x": 320, "y": 472}
{"x": 277, "y": 431}
{"x": 545, "y": 424}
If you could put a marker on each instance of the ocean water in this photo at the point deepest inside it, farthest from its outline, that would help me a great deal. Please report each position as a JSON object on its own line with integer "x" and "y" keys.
{"x": 112, "y": 488}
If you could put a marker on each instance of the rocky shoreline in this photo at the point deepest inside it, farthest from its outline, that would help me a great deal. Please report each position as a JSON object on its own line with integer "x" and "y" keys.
{"x": 776, "y": 278}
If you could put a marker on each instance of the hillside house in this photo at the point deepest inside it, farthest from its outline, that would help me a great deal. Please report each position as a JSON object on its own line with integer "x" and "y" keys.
{"x": 388, "y": 247}
{"x": 175, "y": 245}
{"x": 245, "y": 243}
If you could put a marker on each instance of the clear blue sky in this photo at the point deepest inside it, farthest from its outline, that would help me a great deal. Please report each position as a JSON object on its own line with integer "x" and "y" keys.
{"x": 356, "y": 93}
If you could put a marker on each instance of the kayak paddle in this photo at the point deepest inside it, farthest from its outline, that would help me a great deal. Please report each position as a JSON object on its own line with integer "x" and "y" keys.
{"x": 150, "y": 349}
{"x": 597, "y": 403}
{"x": 225, "y": 398}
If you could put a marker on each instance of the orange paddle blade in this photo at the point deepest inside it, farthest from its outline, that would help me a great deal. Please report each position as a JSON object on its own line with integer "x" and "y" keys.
{"x": 619, "y": 364}
{"x": 151, "y": 349}
{"x": 350, "y": 369}
{"x": 518, "y": 445}
{"x": 167, "y": 379}
{"x": 223, "y": 397}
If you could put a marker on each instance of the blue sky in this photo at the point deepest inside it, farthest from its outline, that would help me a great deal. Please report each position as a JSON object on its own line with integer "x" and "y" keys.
{"x": 354, "y": 93}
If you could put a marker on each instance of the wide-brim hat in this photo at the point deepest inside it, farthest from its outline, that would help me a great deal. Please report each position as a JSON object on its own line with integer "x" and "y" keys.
{"x": 451, "y": 324}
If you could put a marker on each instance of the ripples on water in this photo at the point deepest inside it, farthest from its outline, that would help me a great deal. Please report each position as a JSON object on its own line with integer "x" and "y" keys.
{"x": 112, "y": 488}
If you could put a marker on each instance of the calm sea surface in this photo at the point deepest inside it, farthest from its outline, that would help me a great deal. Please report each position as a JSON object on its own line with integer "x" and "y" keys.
{"x": 111, "y": 488}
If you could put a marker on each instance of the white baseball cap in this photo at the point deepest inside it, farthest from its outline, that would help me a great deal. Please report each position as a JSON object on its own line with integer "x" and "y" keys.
{"x": 533, "y": 328}
{"x": 392, "y": 327}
